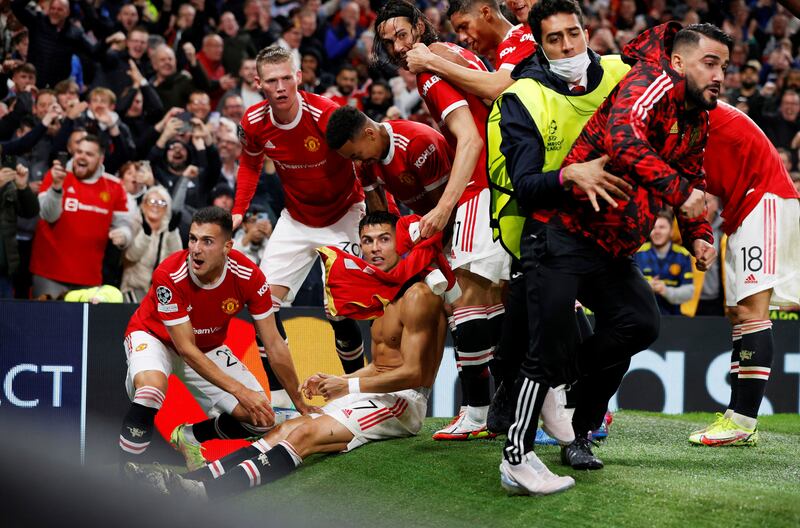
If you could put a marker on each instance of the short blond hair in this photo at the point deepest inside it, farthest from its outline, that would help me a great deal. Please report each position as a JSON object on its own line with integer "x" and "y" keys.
{"x": 274, "y": 55}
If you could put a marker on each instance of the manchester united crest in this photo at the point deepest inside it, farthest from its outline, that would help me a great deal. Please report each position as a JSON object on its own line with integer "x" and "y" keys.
{"x": 675, "y": 269}
{"x": 230, "y": 306}
{"x": 312, "y": 144}
{"x": 406, "y": 178}
{"x": 105, "y": 196}
{"x": 141, "y": 347}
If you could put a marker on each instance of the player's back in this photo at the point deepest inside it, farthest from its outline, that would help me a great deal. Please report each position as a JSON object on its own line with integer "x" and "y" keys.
{"x": 741, "y": 164}
{"x": 177, "y": 296}
{"x": 319, "y": 185}
{"x": 442, "y": 98}
{"x": 418, "y": 162}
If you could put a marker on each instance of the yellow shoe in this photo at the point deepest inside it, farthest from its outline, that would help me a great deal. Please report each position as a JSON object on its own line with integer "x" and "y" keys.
{"x": 192, "y": 452}
{"x": 728, "y": 433}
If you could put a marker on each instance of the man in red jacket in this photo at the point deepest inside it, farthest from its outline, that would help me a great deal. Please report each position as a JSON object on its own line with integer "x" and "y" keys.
{"x": 653, "y": 129}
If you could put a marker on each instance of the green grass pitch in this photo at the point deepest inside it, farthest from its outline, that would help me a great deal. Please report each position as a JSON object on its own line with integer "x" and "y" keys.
{"x": 653, "y": 477}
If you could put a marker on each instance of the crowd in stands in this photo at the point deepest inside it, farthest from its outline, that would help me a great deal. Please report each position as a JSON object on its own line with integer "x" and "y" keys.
{"x": 126, "y": 113}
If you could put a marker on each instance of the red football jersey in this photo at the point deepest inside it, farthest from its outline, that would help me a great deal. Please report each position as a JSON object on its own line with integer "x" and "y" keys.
{"x": 71, "y": 248}
{"x": 319, "y": 185}
{"x": 176, "y": 297}
{"x": 419, "y": 160}
{"x": 442, "y": 98}
{"x": 517, "y": 44}
{"x": 741, "y": 165}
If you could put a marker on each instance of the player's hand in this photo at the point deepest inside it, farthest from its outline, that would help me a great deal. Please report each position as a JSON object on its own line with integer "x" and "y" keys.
{"x": 237, "y": 221}
{"x": 705, "y": 254}
{"x": 332, "y": 387}
{"x": 695, "y": 205}
{"x": 58, "y": 173}
{"x": 419, "y": 58}
{"x": 592, "y": 178}
{"x": 310, "y": 387}
{"x": 434, "y": 222}
{"x": 304, "y": 408}
{"x": 257, "y": 406}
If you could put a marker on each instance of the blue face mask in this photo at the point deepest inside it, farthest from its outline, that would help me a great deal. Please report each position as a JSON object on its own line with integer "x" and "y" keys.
{"x": 571, "y": 69}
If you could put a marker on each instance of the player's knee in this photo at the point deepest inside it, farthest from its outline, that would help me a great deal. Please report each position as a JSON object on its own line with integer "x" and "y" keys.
{"x": 303, "y": 437}
{"x": 151, "y": 378}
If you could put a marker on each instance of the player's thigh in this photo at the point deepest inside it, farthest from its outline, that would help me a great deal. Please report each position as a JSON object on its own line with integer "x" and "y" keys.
{"x": 150, "y": 362}
{"x": 472, "y": 247}
{"x": 764, "y": 253}
{"x": 343, "y": 233}
{"x": 211, "y": 398}
{"x": 475, "y": 289}
{"x": 289, "y": 255}
{"x": 372, "y": 417}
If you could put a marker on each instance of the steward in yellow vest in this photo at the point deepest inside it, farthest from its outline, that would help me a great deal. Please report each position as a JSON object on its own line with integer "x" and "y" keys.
{"x": 546, "y": 114}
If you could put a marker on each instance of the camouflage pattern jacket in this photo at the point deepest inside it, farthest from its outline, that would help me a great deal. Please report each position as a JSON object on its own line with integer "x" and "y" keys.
{"x": 654, "y": 143}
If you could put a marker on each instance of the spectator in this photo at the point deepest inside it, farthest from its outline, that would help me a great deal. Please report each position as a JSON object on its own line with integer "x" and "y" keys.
{"x": 141, "y": 108}
{"x": 182, "y": 166}
{"x": 667, "y": 266}
{"x": 210, "y": 59}
{"x": 310, "y": 72}
{"x": 796, "y": 180}
{"x": 229, "y": 151}
{"x": 156, "y": 240}
{"x": 312, "y": 36}
{"x": 23, "y": 76}
{"x": 81, "y": 209}
{"x": 238, "y": 45}
{"x": 343, "y": 35}
{"x": 188, "y": 28}
{"x": 406, "y": 96}
{"x": 782, "y": 128}
{"x": 379, "y": 101}
{"x": 252, "y": 239}
{"x": 259, "y": 24}
{"x": 232, "y": 107}
{"x": 67, "y": 92}
{"x": 116, "y": 64}
{"x": 246, "y": 87}
{"x": 17, "y": 199}
{"x": 173, "y": 87}
{"x": 345, "y": 92}
{"x": 53, "y": 41}
{"x": 222, "y": 196}
{"x": 747, "y": 97}
{"x": 291, "y": 37}
{"x": 199, "y": 105}
{"x": 135, "y": 177}
{"x": 101, "y": 120}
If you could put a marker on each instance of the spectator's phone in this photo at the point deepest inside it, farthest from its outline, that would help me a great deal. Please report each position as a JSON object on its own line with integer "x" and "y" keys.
{"x": 186, "y": 117}
{"x": 63, "y": 158}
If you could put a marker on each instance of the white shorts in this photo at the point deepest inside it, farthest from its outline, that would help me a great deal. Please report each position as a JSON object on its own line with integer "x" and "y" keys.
{"x": 146, "y": 352}
{"x": 372, "y": 417}
{"x": 472, "y": 247}
{"x": 764, "y": 253}
{"x": 292, "y": 247}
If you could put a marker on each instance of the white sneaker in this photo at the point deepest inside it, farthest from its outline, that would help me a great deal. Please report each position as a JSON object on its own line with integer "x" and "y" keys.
{"x": 463, "y": 428}
{"x": 556, "y": 419}
{"x": 532, "y": 477}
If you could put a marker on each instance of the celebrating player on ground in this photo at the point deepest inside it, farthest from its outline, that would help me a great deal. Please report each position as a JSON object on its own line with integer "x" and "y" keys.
{"x": 324, "y": 200}
{"x": 761, "y": 216}
{"x": 386, "y": 399}
{"x": 180, "y": 328}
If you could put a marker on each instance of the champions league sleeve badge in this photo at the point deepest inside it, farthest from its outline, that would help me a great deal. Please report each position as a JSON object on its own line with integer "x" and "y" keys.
{"x": 163, "y": 294}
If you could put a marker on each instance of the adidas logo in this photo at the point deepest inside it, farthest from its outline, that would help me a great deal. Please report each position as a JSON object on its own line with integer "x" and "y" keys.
{"x": 347, "y": 412}
{"x": 751, "y": 279}
{"x": 70, "y": 189}
{"x": 269, "y": 144}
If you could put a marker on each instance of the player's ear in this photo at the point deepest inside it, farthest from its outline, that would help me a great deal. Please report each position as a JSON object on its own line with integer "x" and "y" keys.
{"x": 228, "y": 246}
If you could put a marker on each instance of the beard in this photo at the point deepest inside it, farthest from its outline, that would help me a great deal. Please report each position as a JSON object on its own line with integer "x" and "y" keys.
{"x": 696, "y": 95}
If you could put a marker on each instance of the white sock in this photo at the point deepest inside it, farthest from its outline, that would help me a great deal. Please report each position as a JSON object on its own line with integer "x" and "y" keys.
{"x": 477, "y": 414}
{"x": 745, "y": 422}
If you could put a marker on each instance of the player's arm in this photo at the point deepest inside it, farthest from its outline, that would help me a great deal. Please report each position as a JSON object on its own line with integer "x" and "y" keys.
{"x": 468, "y": 149}
{"x": 280, "y": 359}
{"x": 255, "y": 403}
{"x": 696, "y": 231}
{"x": 251, "y": 162}
{"x": 484, "y": 84}
{"x": 376, "y": 199}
